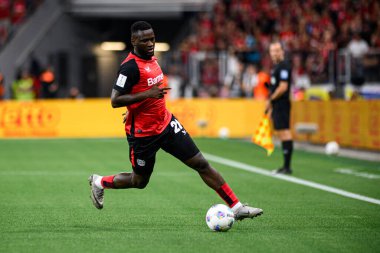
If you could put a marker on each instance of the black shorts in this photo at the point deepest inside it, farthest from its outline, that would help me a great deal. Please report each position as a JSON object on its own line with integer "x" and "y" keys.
{"x": 174, "y": 139}
{"x": 281, "y": 114}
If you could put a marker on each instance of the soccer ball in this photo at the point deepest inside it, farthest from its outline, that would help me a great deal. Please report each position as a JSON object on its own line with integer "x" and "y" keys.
{"x": 220, "y": 218}
{"x": 332, "y": 148}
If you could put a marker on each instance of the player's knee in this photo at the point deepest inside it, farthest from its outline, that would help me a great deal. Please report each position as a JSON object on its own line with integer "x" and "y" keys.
{"x": 202, "y": 165}
{"x": 142, "y": 184}
{"x": 198, "y": 163}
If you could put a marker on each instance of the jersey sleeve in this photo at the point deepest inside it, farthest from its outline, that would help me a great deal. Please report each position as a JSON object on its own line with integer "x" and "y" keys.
{"x": 284, "y": 73}
{"x": 128, "y": 76}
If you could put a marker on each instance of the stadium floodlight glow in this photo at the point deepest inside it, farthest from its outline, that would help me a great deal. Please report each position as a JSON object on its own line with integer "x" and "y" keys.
{"x": 161, "y": 47}
{"x": 112, "y": 46}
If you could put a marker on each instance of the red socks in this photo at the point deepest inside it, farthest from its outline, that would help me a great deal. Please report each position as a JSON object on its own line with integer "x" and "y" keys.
{"x": 226, "y": 193}
{"x": 107, "y": 182}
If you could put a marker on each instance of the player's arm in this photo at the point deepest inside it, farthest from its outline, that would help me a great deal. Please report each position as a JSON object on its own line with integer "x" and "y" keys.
{"x": 284, "y": 80}
{"x": 119, "y": 100}
{"x": 129, "y": 75}
{"x": 281, "y": 89}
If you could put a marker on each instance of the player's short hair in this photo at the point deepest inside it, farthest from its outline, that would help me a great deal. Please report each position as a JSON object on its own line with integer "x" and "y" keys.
{"x": 140, "y": 26}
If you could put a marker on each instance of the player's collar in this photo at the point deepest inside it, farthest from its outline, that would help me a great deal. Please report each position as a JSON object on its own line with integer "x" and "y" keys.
{"x": 143, "y": 58}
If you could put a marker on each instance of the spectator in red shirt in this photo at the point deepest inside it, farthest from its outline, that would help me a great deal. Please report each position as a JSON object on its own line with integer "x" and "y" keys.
{"x": 5, "y": 13}
{"x": 209, "y": 78}
{"x": 18, "y": 11}
{"x": 5, "y": 9}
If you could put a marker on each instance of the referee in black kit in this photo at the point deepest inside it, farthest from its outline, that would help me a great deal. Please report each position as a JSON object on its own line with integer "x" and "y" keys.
{"x": 278, "y": 105}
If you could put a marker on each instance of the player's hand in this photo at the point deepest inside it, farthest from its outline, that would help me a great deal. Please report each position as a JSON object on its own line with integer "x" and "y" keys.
{"x": 157, "y": 92}
{"x": 125, "y": 116}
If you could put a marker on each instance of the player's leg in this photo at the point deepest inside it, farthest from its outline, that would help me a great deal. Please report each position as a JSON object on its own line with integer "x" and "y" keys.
{"x": 214, "y": 180}
{"x": 124, "y": 180}
{"x": 142, "y": 154}
{"x": 287, "y": 146}
{"x": 208, "y": 174}
{"x": 180, "y": 145}
{"x": 142, "y": 158}
{"x": 118, "y": 181}
{"x": 281, "y": 120}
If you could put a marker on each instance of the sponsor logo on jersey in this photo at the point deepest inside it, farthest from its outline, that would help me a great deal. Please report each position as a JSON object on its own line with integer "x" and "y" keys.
{"x": 155, "y": 80}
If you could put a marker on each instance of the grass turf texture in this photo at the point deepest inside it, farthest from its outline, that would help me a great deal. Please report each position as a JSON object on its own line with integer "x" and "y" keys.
{"x": 45, "y": 204}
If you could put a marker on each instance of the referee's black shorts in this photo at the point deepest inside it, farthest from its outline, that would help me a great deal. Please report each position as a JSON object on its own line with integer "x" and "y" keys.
{"x": 281, "y": 114}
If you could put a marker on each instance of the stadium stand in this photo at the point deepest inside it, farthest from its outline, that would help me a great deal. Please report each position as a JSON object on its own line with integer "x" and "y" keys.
{"x": 312, "y": 33}
{"x": 222, "y": 52}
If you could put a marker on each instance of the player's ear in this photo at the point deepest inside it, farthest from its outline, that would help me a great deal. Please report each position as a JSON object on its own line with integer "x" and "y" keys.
{"x": 134, "y": 39}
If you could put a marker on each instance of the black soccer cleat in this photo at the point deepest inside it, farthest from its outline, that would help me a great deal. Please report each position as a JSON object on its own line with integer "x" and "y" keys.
{"x": 284, "y": 171}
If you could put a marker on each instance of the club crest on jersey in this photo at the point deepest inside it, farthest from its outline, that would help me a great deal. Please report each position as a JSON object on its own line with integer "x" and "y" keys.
{"x": 155, "y": 80}
{"x": 140, "y": 162}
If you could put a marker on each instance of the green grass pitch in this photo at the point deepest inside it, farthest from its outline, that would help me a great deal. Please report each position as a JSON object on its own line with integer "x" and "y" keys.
{"x": 45, "y": 204}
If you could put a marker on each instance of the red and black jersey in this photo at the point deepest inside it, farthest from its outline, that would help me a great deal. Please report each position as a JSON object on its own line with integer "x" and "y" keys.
{"x": 150, "y": 116}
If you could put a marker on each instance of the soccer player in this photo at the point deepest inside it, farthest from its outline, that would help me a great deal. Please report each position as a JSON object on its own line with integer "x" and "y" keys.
{"x": 278, "y": 104}
{"x": 150, "y": 126}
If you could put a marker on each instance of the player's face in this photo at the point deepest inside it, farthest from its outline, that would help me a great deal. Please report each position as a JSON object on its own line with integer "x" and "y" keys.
{"x": 143, "y": 42}
{"x": 276, "y": 52}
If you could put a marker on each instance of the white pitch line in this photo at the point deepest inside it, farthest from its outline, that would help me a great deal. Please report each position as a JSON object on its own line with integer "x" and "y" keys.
{"x": 357, "y": 173}
{"x": 295, "y": 180}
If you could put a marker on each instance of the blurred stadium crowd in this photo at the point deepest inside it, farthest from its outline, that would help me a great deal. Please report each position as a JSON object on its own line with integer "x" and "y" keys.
{"x": 13, "y": 13}
{"x": 311, "y": 32}
{"x": 225, "y": 54}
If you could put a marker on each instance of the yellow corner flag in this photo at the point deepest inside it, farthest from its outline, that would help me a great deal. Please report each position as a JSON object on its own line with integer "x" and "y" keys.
{"x": 263, "y": 135}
